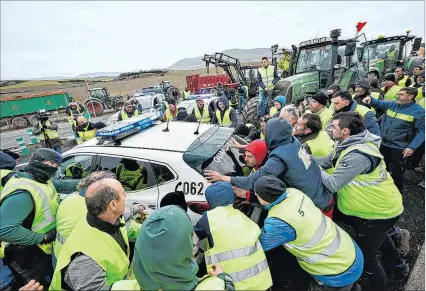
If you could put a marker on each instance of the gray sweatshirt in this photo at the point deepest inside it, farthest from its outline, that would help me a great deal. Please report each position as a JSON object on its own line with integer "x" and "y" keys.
{"x": 83, "y": 273}
{"x": 351, "y": 165}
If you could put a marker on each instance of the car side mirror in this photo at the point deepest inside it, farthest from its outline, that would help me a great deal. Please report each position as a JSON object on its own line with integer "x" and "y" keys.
{"x": 350, "y": 49}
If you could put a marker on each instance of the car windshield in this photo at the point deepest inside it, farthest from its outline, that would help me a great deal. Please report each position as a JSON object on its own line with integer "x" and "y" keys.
{"x": 317, "y": 58}
{"x": 211, "y": 151}
{"x": 382, "y": 50}
{"x": 193, "y": 97}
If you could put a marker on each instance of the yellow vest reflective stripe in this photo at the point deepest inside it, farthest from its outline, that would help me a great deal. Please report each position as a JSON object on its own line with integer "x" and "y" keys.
{"x": 205, "y": 118}
{"x": 401, "y": 83}
{"x": 392, "y": 93}
{"x": 210, "y": 283}
{"x": 237, "y": 249}
{"x": 421, "y": 102}
{"x": 325, "y": 115}
{"x": 186, "y": 94}
{"x": 405, "y": 117}
{"x": 131, "y": 180}
{"x": 362, "y": 110}
{"x": 226, "y": 118}
{"x": 86, "y": 134}
{"x": 321, "y": 247}
{"x": 100, "y": 247}
{"x": 51, "y": 133}
{"x": 46, "y": 201}
{"x": 373, "y": 195}
{"x": 267, "y": 75}
{"x": 70, "y": 211}
{"x": 273, "y": 111}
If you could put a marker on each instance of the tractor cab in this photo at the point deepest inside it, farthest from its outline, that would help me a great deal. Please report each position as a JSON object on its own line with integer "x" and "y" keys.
{"x": 99, "y": 100}
{"x": 386, "y": 53}
{"x": 319, "y": 63}
{"x": 100, "y": 93}
{"x": 165, "y": 85}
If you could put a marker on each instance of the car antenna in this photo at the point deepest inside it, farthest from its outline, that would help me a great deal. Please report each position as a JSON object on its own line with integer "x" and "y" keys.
{"x": 167, "y": 127}
{"x": 198, "y": 127}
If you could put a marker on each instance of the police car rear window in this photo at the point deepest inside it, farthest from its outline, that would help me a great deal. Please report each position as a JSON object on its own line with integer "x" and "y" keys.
{"x": 211, "y": 151}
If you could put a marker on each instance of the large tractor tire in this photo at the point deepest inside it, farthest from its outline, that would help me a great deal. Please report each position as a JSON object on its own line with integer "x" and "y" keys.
{"x": 95, "y": 107}
{"x": 250, "y": 111}
{"x": 19, "y": 122}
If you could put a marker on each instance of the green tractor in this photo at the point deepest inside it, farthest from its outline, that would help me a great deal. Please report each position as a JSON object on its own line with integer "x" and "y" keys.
{"x": 387, "y": 53}
{"x": 99, "y": 100}
{"x": 316, "y": 64}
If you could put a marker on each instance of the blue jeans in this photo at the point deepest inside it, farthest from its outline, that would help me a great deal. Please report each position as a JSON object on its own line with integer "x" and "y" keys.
{"x": 262, "y": 106}
{"x": 241, "y": 102}
{"x": 6, "y": 276}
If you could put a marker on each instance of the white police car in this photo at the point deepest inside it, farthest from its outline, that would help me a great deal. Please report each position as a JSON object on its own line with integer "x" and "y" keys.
{"x": 166, "y": 156}
{"x": 189, "y": 104}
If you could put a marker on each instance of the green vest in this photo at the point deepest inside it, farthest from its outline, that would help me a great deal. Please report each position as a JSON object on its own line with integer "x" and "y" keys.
{"x": 273, "y": 111}
{"x": 86, "y": 134}
{"x": 237, "y": 249}
{"x": 362, "y": 110}
{"x": 3, "y": 173}
{"x": 186, "y": 94}
{"x": 226, "y": 118}
{"x": 392, "y": 93}
{"x": 210, "y": 283}
{"x": 205, "y": 118}
{"x": 391, "y": 55}
{"x": 325, "y": 115}
{"x": 75, "y": 171}
{"x": 267, "y": 75}
{"x": 71, "y": 210}
{"x": 321, "y": 247}
{"x": 100, "y": 247}
{"x": 375, "y": 95}
{"x": 419, "y": 93}
{"x": 51, "y": 133}
{"x": 322, "y": 145}
{"x": 71, "y": 118}
{"x": 46, "y": 201}
{"x": 125, "y": 116}
{"x": 169, "y": 115}
{"x": 131, "y": 180}
{"x": 370, "y": 196}
{"x": 401, "y": 83}
{"x": 262, "y": 135}
{"x": 421, "y": 102}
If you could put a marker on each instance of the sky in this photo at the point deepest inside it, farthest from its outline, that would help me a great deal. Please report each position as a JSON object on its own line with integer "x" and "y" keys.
{"x": 46, "y": 39}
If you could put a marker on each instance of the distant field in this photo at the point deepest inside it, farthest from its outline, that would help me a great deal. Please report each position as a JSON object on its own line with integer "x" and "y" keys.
{"x": 34, "y": 83}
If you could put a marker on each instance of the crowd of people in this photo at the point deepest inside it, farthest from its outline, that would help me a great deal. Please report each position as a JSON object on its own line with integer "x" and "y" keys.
{"x": 334, "y": 158}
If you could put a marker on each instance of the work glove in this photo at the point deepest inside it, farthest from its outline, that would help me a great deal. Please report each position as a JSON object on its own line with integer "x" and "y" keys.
{"x": 49, "y": 236}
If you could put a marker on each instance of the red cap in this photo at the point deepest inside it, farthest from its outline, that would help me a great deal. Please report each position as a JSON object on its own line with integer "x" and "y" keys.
{"x": 259, "y": 150}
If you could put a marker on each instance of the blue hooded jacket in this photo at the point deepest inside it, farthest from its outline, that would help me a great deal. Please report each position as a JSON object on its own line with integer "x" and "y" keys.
{"x": 369, "y": 119}
{"x": 232, "y": 115}
{"x": 288, "y": 162}
{"x": 217, "y": 194}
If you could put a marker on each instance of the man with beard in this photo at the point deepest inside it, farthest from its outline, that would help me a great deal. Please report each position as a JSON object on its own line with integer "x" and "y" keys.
{"x": 342, "y": 102}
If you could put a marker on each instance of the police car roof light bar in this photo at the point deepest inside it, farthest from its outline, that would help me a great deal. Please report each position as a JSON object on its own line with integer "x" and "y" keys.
{"x": 127, "y": 127}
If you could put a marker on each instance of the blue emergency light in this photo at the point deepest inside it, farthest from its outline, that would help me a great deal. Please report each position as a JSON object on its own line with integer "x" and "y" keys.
{"x": 127, "y": 127}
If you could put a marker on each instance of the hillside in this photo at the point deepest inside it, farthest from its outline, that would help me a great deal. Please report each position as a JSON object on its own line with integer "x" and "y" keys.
{"x": 98, "y": 74}
{"x": 244, "y": 55}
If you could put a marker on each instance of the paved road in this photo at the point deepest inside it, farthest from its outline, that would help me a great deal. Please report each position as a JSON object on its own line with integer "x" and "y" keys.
{"x": 7, "y": 138}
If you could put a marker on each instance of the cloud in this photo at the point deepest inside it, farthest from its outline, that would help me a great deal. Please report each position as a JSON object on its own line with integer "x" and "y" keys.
{"x": 56, "y": 38}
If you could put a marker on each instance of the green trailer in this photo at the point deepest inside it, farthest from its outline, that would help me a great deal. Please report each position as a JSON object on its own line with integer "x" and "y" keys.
{"x": 19, "y": 111}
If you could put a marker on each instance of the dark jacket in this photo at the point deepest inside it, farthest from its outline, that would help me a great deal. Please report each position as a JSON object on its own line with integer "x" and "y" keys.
{"x": 402, "y": 126}
{"x": 288, "y": 162}
{"x": 232, "y": 115}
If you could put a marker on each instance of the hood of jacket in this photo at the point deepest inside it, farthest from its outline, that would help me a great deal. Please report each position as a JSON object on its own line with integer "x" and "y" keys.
{"x": 163, "y": 251}
{"x": 219, "y": 194}
{"x": 278, "y": 132}
{"x": 281, "y": 99}
{"x": 360, "y": 138}
{"x": 7, "y": 162}
{"x": 225, "y": 101}
{"x": 258, "y": 149}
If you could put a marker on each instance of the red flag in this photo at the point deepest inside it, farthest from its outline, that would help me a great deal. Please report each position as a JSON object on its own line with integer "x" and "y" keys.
{"x": 360, "y": 25}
